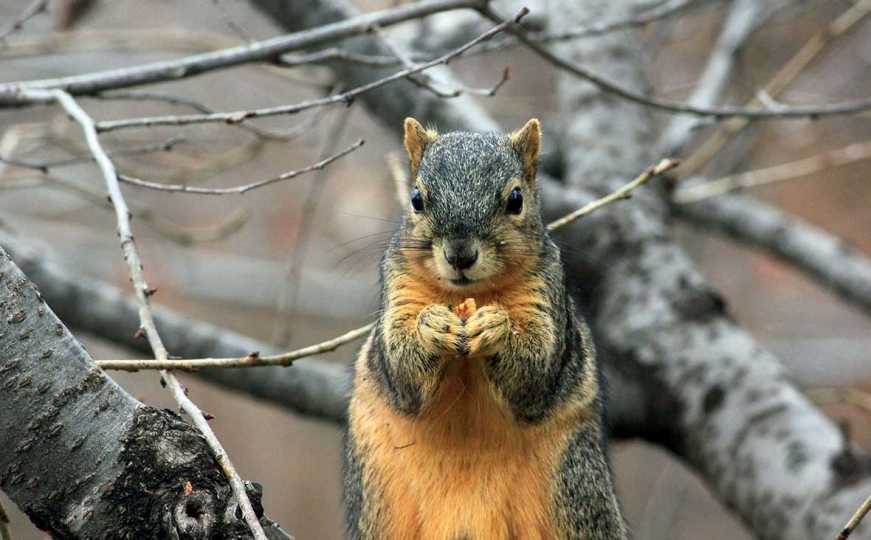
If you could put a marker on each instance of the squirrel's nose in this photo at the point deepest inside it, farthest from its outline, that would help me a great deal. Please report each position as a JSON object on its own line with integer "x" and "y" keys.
{"x": 460, "y": 254}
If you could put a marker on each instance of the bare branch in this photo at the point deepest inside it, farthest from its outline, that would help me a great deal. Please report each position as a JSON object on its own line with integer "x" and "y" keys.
{"x": 44, "y": 166}
{"x": 778, "y": 83}
{"x": 689, "y": 193}
{"x": 855, "y": 520}
{"x": 14, "y": 93}
{"x": 31, "y": 11}
{"x": 136, "y": 95}
{"x": 179, "y": 234}
{"x": 143, "y": 292}
{"x": 624, "y": 192}
{"x": 744, "y": 17}
{"x": 238, "y": 190}
{"x": 234, "y": 117}
{"x": 251, "y": 360}
{"x": 795, "y": 111}
{"x": 822, "y": 256}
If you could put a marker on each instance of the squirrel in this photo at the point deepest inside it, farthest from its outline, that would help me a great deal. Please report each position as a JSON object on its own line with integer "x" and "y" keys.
{"x": 482, "y": 425}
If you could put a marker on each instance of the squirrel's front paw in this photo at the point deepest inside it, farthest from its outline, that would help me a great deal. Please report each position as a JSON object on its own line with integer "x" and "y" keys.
{"x": 440, "y": 330}
{"x": 488, "y": 330}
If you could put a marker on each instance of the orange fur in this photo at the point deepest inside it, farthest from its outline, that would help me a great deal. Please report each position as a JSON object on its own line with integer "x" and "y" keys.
{"x": 463, "y": 466}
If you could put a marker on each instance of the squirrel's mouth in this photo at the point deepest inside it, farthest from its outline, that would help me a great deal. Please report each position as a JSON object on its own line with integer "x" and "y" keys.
{"x": 462, "y": 280}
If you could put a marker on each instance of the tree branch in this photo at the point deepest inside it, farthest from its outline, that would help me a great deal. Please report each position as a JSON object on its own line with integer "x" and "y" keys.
{"x": 624, "y": 92}
{"x": 12, "y": 94}
{"x": 743, "y": 18}
{"x": 143, "y": 292}
{"x": 238, "y": 190}
{"x": 235, "y": 117}
{"x": 74, "y": 441}
{"x": 823, "y": 257}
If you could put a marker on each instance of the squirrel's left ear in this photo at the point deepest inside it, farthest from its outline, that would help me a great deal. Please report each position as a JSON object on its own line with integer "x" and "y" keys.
{"x": 526, "y": 141}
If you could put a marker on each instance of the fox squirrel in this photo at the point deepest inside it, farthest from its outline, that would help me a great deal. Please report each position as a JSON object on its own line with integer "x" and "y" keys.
{"x": 476, "y": 411}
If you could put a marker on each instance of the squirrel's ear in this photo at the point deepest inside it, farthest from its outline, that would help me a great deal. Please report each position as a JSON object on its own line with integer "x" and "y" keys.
{"x": 526, "y": 141}
{"x": 416, "y": 140}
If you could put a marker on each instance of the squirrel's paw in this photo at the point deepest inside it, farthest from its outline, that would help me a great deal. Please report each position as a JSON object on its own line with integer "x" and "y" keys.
{"x": 488, "y": 330}
{"x": 440, "y": 330}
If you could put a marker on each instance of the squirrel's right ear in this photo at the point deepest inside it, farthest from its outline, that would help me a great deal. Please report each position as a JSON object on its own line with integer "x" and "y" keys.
{"x": 526, "y": 141}
{"x": 416, "y": 140}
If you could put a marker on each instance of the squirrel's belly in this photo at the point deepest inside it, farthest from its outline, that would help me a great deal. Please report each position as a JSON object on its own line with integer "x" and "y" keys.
{"x": 462, "y": 469}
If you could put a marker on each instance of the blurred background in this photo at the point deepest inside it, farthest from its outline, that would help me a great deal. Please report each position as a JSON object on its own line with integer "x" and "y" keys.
{"x": 296, "y": 262}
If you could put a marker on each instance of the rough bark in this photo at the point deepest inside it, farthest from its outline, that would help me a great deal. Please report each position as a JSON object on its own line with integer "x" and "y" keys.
{"x": 81, "y": 457}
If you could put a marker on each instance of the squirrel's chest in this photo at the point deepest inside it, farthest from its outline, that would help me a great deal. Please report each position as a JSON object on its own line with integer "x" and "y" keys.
{"x": 462, "y": 469}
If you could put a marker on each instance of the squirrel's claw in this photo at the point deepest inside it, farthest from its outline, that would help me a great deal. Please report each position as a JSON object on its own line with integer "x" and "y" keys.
{"x": 440, "y": 330}
{"x": 488, "y": 330}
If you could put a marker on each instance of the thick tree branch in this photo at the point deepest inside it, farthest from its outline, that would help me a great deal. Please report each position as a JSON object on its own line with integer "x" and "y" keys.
{"x": 74, "y": 442}
{"x": 826, "y": 259}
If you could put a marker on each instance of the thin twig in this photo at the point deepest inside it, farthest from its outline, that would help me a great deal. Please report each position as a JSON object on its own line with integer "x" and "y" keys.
{"x": 855, "y": 520}
{"x": 44, "y": 166}
{"x": 143, "y": 292}
{"x": 286, "y": 359}
{"x": 421, "y": 80}
{"x": 234, "y": 117}
{"x": 334, "y": 54}
{"x": 136, "y": 95}
{"x": 34, "y": 9}
{"x": 181, "y": 235}
{"x": 593, "y": 29}
{"x": 781, "y": 80}
{"x": 237, "y": 190}
{"x": 796, "y": 111}
{"x": 14, "y": 93}
{"x": 744, "y": 17}
{"x": 252, "y": 360}
{"x": 778, "y": 173}
{"x": 5, "y": 532}
{"x": 624, "y": 192}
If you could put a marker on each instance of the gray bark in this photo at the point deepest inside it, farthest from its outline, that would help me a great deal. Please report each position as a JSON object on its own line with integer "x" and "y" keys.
{"x": 81, "y": 457}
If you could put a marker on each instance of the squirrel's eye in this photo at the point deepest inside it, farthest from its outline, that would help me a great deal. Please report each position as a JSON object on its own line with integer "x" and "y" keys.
{"x": 515, "y": 201}
{"x": 416, "y": 200}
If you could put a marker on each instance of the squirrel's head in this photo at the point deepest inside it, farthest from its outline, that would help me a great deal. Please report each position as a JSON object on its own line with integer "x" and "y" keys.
{"x": 472, "y": 205}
